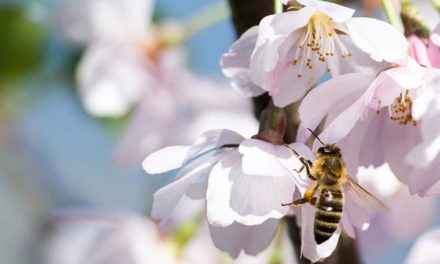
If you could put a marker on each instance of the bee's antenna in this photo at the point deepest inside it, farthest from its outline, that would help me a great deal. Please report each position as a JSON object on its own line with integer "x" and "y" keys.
{"x": 316, "y": 136}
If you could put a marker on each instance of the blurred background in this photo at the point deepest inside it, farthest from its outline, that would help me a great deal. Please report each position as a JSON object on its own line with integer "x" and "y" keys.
{"x": 54, "y": 154}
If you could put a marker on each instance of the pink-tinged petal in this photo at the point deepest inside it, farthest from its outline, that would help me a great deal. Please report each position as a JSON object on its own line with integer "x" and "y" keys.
{"x": 409, "y": 77}
{"x": 423, "y": 180}
{"x": 261, "y": 158}
{"x": 434, "y": 47}
{"x": 379, "y": 39}
{"x": 309, "y": 248}
{"x": 213, "y": 139}
{"x": 348, "y": 226}
{"x": 356, "y": 146}
{"x": 249, "y": 239}
{"x": 289, "y": 83}
{"x": 236, "y": 62}
{"x": 337, "y": 12}
{"x": 425, "y": 152}
{"x": 434, "y": 55}
{"x": 288, "y": 22}
{"x": 359, "y": 61}
{"x": 166, "y": 159}
{"x": 401, "y": 221}
{"x": 330, "y": 94}
{"x": 264, "y": 60}
{"x": 397, "y": 141}
{"x": 425, "y": 249}
{"x": 345, "y": 121}
{"x": 419, "y": 50}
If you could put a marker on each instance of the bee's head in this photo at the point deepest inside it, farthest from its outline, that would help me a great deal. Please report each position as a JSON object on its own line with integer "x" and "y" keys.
{"x": 329, "y": 149}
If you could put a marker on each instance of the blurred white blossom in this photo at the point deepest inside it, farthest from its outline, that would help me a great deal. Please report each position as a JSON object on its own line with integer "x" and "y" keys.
{"x": 425, "y": 249}
{"x": 179, "y": 108}
{"x": 79, "y": 236}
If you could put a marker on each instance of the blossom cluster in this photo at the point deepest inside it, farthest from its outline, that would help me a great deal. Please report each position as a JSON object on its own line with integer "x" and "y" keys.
{"x": 378, "y": 105}
{"x": 360, "y": 82}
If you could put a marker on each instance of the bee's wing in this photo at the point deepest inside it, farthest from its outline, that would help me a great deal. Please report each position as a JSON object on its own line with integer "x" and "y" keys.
{"x": 362, "y": 196}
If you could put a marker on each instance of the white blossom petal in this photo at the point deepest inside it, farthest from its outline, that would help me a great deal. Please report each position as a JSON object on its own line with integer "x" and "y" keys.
{"x": 337, "y": 12}
{"x": 247, "y": 199}
{"x": 213, "y": 139}
{"x": 264, "y": 159}
{"x": 318, "y": 103}
{"x": 235, "y": 63}
{"x": 166, "y": 159}
{"x": 379, "y": 39}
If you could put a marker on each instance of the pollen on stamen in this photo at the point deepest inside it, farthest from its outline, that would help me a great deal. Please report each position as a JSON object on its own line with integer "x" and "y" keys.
{"x": 401, "y": 110}
{"x": 299, "y": 75}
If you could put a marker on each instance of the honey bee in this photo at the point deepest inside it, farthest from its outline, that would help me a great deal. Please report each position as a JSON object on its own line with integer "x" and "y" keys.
{"x": 331, "y": 181}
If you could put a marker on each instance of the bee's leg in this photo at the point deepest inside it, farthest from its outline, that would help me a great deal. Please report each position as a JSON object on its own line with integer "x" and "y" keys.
{"x": 306, "y": 163}
{"x": 308, "y": 198}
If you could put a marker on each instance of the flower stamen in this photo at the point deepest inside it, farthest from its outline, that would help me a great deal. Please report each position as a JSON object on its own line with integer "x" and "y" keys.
{"x": 319, "y": 41}
{"x": 401, "y": 109}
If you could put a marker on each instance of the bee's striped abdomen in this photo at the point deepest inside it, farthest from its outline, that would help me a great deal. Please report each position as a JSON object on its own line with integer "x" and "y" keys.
{"x": 328, "y": 214}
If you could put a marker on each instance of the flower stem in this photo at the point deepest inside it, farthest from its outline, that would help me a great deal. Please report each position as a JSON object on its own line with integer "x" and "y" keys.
{"x": 436, "y": 4}
{"x": 278, "y": 6}
{"x": 392, "y": 15}
{"x": 206, "y": 18}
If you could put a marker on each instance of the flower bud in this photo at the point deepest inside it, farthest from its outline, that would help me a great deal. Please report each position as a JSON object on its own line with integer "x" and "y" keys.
{"x": 272, "y": 125}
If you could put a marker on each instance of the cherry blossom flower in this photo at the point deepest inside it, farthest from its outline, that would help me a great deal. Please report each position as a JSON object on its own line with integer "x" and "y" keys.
{"x": 121, "y": 62}
{"x": 354, "y": 105}
{"x": 179, "y": 108}
{"x": 232, "y": 173}
{"x": 425, "y": 249}
{"x": 243, "y": 181}
{"x": 297, "y": 47}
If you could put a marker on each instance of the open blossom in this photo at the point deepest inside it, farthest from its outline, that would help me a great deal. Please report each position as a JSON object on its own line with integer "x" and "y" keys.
{"x": 377, "y": 120}
{"x": 369, "y": 116}
{"x": 244, "y": 182}
{"x": 288, "y": 52}
{"x": 230, "y": 172}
